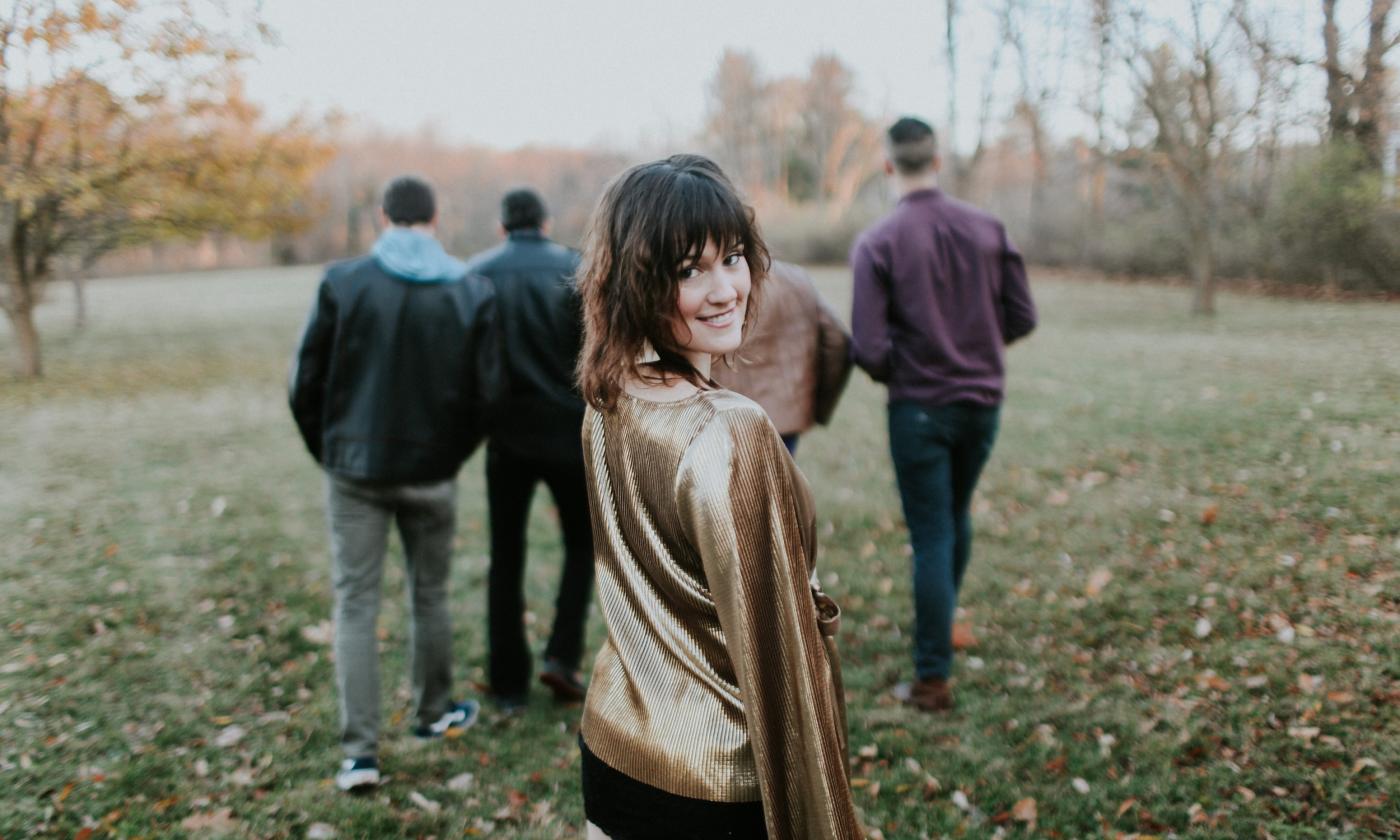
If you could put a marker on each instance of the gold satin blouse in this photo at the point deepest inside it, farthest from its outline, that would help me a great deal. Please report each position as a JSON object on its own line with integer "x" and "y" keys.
{"x": 714, "y": 682}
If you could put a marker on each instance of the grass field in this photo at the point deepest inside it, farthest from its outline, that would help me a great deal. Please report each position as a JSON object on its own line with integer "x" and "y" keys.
{"x": 1184, "y": 592}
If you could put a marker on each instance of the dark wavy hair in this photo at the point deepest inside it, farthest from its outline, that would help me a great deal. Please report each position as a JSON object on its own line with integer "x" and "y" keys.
{"x": 652, "y": 221}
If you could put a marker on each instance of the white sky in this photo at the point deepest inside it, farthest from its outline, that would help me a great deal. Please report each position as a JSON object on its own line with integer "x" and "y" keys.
{"x": 622, "y": 73}
{"x": 615, "y": 72}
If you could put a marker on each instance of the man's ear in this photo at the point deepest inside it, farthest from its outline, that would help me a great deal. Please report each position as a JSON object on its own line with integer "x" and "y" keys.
{"x": 381, "y": 218}
{"x": 937, "y": 163}
{"x": 889, "y": 166}
{"x": 501, "y": 231}
{"x": 545, "y": 227}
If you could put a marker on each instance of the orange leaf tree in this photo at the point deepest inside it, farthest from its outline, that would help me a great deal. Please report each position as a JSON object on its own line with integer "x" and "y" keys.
{"x": 123, "y": 122}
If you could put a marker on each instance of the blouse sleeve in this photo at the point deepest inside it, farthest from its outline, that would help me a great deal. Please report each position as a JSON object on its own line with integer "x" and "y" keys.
{"x": 751, "y": 523}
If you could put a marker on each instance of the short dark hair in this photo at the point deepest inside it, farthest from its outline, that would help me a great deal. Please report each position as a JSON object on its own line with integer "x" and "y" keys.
{"x": 522, "y": 208}
{"x": 912, "y": 145}
{"x": 408, "y": 200}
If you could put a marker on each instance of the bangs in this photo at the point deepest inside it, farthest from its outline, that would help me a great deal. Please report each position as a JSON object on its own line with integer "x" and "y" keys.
{"x": 701, "y": 210}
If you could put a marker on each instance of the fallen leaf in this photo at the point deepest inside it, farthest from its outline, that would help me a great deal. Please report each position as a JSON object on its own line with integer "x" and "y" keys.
{"x": 868, "y": 751}
{"x": 1025, "y": 811}
{"x": 319, "y": 634}
{"x": 320, "y": 831}
{"x": 1079, "y": 785}
{"x": 1097, "y": 581}
{"x": 424, "y": 802}
{"x": 963, "y": 637}
{"x": 462, "y": 781}
{"x": 1203, "y": 627}
{"x": 1126, "y": 806}
{"x": 230, "y": 736}
{"x": 1208, "y": 516}
{"x": 220, "y": 821}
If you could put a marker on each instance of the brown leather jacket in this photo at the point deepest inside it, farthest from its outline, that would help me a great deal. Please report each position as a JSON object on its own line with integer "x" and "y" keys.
{"x": 795, "y": 360}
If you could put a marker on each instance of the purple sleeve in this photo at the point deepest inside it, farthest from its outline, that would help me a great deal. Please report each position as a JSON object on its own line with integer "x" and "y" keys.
{"x": 870, "y": 306}
{"x": 1017, "y": 307}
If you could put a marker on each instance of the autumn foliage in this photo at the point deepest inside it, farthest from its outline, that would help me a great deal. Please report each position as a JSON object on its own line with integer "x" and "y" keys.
{"x": 124, "y": 122}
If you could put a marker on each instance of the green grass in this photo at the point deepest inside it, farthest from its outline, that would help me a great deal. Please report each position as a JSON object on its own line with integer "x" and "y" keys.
{"x": 1244, "y": 471}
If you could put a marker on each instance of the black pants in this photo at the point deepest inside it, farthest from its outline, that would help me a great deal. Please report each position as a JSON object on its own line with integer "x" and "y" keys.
{"x": 510, "y": 484}
{"x": 626, "y": 809}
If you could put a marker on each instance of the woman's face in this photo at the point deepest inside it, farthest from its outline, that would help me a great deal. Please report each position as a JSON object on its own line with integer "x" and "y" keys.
{"x": 714, "y": 291}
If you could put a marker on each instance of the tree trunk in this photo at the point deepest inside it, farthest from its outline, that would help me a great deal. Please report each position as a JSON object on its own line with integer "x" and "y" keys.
{"x": 1202, "y": 271}
{"x": 28, "y": 362}
{"x": 1338, "y": 97}
{"x": 1371, "y": 90}
{"x": 80, "y": 308}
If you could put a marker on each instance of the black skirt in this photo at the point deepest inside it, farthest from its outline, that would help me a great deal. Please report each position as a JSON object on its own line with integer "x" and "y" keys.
{"x": 626, "y": 809}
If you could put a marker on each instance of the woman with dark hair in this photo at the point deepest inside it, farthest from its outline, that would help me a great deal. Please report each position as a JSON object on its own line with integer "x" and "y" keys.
{"x": 715, "y": 707}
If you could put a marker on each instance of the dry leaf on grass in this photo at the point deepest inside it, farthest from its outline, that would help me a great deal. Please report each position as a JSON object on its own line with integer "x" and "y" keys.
{"x": 1025, "y": 811}
{"x": 1097, "y": 581}
{"x": 230, "y": 736}
{"x": 219, "y": 822}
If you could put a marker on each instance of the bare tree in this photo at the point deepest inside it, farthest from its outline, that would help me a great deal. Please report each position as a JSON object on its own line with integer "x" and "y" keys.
{"x": 1356, "y": 99}
{"x": 1179, "y": 83}
{"x": 1039, "y": 72}
{"x": 735, "y": 114}
{"x": 962, "y": 170}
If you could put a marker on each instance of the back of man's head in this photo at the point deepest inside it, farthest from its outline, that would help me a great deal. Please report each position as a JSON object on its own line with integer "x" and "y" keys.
{"x": 408, "y": 200}
{"x": 912, "y": 146}
{"x": 522, "y": 209}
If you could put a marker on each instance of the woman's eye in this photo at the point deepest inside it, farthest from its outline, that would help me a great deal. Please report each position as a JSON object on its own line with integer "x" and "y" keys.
{"x": 733, "y": 259}
{"x": 689, "y": 272}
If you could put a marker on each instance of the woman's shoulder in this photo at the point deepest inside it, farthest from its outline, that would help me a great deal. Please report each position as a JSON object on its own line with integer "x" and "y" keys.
{"x": 732, "y": 424}
{"x": 733, "y": 410}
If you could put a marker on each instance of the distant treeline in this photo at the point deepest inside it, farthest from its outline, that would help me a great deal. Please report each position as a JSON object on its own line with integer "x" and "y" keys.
{"x": 1236, "y": 140}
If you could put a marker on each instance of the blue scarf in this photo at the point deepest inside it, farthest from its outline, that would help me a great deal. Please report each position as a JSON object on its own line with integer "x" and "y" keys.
{"x": 416, "y": 256}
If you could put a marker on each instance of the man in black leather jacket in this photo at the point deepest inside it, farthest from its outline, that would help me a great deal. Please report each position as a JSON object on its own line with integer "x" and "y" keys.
{"x": 390, "y": 389}
{"x": 536, "y": 439}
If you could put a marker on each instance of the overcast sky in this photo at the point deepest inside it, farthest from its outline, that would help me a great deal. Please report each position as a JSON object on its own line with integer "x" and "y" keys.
{"x": 624, "y": 73}
{"x": 614, "y": 72}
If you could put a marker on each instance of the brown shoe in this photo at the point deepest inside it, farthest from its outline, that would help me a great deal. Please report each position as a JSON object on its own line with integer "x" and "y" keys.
{"x": 931, "y": 695}
{"x": 563, "y": 681}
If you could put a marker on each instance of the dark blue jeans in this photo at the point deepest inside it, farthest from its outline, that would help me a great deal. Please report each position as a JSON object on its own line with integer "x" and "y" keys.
{"x": 939, "y": 452}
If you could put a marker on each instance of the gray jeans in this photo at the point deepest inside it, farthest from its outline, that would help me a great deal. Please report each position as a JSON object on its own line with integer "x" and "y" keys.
{"x": 359, "y": 515}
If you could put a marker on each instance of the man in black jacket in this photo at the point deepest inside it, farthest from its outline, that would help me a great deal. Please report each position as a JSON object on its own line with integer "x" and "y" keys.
{"x": 390, "y": 389}
{"x": 537, "y": 439}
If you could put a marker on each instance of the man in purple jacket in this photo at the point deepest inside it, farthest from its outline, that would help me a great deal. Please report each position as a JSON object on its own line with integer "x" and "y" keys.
{"x": 939, "y": 292}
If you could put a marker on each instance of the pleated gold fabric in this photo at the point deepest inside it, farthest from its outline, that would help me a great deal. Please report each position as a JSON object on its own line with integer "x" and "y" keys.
{"x": 714, "y": 682}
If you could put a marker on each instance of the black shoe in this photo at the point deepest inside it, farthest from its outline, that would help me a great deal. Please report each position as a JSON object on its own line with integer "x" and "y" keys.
{"x": 509, "y": 705}
{"x": 563, "y": 681}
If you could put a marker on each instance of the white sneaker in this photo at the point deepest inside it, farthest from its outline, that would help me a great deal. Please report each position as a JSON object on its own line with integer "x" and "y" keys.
{"x": 461, "y": 716}
{"x": 357, "y": 773}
